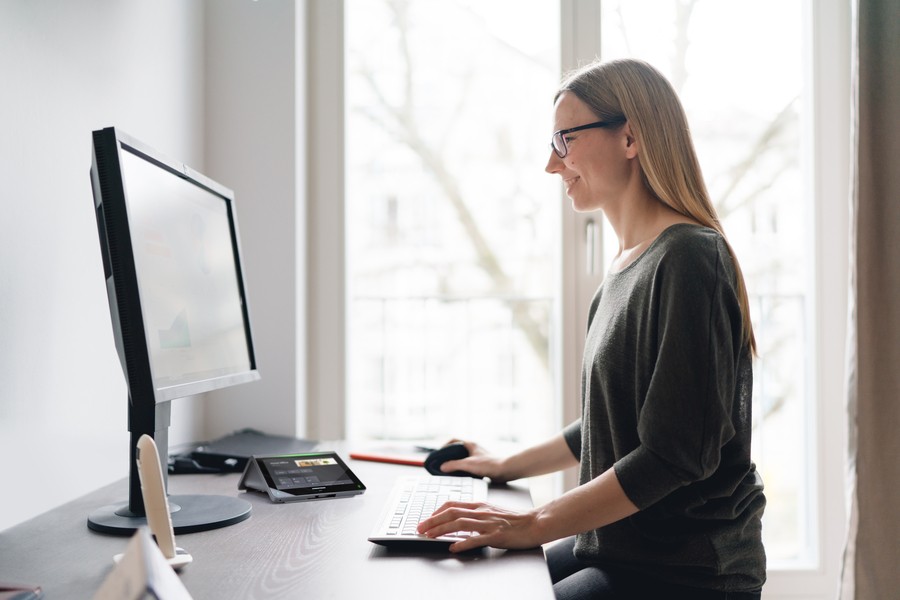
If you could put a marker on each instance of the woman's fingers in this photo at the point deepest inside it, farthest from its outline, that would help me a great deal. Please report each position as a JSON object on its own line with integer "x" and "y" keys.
{"x": 447, "y": 512}
{"x": 489, "y": 526}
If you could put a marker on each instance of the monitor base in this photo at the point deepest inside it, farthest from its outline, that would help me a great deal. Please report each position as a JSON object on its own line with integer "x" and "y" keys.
{"x": 189, "y": 513}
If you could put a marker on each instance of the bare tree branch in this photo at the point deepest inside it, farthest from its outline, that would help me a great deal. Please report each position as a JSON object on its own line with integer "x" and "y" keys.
{"x": 406, "y": 130}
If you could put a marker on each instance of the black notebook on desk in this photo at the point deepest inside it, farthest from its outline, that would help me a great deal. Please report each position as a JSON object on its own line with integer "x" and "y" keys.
{"x": 230, "y": 454}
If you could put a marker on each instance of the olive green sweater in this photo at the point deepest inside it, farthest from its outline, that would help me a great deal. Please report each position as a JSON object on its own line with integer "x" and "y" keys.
{"x": 666, "y": 392}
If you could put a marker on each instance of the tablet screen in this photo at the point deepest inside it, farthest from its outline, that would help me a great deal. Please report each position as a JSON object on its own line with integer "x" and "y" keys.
{"x": 314, "y": 473}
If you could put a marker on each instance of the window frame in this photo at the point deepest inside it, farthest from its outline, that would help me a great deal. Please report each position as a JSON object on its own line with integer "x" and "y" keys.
{"x": 326, "y": 343}
{"x": 827, "y": 113}
{"x": 826, "y": 155}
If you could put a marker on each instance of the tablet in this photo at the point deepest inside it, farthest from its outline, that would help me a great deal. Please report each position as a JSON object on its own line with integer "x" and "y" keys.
{"x": 306, "y": 476}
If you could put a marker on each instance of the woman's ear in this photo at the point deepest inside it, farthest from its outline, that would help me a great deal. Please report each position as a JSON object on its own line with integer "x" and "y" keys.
{"x": 630, "y": 141}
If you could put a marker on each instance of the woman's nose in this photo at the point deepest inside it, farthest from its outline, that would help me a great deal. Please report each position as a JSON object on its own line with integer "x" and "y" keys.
{"x": 555, "y": 164}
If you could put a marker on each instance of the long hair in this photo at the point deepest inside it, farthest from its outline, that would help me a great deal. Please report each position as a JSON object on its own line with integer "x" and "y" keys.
{"x": 633, "y": 91}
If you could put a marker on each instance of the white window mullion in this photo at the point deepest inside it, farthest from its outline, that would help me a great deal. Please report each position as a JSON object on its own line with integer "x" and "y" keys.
{"x": 580, "y": 35}
{"x": 326, "y": 268}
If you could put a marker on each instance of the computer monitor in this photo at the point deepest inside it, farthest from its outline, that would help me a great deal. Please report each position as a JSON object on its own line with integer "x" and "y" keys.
{"x": 172, "y": 261}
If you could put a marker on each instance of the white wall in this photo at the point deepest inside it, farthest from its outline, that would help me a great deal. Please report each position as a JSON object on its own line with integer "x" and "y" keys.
{"x": 254, "y": 120}
{"x": 67, "y": 68}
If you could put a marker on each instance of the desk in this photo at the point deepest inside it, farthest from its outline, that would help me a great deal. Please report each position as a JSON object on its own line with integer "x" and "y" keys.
{"x": 310, "y": 550}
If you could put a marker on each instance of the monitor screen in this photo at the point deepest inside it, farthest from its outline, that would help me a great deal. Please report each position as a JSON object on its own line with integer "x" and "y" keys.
{"x": 181, "y": 325}
{"x": 186, "y": 273}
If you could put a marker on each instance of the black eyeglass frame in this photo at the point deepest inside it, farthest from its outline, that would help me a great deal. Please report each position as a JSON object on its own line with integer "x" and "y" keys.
{"x": 563, "y": 132}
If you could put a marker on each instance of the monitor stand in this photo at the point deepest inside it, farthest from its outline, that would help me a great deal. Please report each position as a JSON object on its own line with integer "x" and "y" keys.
{"x": 189, "y": 513}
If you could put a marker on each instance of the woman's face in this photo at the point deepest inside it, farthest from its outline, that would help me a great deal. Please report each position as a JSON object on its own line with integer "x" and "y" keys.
{"x": 595, "y": 170}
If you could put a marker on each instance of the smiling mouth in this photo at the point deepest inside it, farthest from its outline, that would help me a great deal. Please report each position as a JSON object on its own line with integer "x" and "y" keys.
{"x": 570, "y": 182}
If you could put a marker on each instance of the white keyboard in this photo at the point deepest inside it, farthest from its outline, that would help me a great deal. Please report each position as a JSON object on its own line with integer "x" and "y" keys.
{"x": 414, "y": 498}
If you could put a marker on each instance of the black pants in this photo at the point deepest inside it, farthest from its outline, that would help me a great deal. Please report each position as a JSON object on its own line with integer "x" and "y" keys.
{"x": 575, "y": 580}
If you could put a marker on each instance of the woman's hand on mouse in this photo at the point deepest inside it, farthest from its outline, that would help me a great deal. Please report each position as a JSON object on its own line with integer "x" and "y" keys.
{"x": 479, "y": 462}
{"x": 496, "y": 527}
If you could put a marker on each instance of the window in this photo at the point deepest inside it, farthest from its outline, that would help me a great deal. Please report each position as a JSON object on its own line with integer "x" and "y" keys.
{"x": 743, "y": 100}
{"x": 467, "y": 276}
{"x": 452, "y": 225}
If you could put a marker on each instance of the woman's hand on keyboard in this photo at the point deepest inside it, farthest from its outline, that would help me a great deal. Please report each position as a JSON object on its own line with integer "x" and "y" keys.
{"x": 486, "y": 524}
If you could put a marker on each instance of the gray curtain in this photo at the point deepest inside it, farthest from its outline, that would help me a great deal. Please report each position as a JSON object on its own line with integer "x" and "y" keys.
{"x": 871, "y": 567}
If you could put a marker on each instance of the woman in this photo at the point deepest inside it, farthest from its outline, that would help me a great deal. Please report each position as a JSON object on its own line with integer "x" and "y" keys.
{"x": 669, "y": 502}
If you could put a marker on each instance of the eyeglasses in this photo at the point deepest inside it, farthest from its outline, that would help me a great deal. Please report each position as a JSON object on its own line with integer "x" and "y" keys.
{"x": 558, "y": 141}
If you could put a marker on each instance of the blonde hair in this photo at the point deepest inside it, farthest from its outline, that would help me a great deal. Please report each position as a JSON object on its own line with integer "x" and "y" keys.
{"x": 634, "y": 91}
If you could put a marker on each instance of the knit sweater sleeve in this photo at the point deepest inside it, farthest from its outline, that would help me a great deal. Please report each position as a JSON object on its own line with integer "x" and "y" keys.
{"x": 572, "y": 435}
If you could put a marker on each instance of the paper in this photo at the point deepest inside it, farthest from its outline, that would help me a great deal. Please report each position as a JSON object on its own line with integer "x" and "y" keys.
{"x": 142, "y": 573}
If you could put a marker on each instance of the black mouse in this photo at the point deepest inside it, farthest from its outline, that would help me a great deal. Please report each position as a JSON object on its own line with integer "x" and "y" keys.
{"x": 436, "y": 458}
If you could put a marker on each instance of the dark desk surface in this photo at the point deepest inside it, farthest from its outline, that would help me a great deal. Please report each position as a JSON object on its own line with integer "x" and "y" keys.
{"x": 306, "y": 549}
